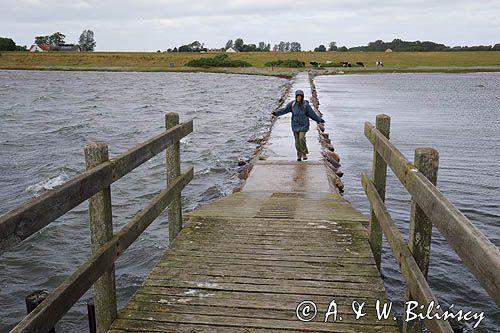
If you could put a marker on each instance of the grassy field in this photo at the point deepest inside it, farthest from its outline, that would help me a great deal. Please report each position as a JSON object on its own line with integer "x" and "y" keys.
{"x": 152, "y": 61}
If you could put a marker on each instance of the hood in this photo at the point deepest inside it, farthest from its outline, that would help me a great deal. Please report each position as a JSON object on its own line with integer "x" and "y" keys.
{"x": 299, "y": 92}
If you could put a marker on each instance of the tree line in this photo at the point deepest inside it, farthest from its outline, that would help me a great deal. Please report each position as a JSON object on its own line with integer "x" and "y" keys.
{"x": 418, "y": 46}
{"x": 376, "y": 46}
{"x": 86, "y": 42}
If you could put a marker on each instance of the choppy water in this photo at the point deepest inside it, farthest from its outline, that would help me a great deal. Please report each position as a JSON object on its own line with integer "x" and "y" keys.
{"x": 458, "y": 114}
{"x": 48, "y": 117}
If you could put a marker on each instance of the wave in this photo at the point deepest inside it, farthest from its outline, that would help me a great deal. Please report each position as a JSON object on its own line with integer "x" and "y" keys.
{"x": 47, "y": 184}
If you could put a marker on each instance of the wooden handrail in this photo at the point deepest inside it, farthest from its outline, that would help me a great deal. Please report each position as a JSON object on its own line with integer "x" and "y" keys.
{"x": 477, "y": 252}
{"x": 30, "y": 217}
{"x": 48, "y": 313}
{"x": 409, "y": 268}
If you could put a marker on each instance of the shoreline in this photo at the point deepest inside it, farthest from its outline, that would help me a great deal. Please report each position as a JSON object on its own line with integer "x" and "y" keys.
{"x": 286, "y": 73}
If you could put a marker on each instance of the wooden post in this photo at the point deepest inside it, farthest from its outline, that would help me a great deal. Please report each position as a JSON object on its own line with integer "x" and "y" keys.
{"x": 92, "y": 320}
{"x": 34, "y": 299}
{"x": 419, "y": 239}
{"x": 379, "y": 173}
{"x": 101, "y": 231}
{"x": 173, "y": 160}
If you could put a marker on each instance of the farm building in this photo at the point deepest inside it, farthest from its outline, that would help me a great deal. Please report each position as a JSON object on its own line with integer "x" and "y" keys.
{"x": 39, "y": 48}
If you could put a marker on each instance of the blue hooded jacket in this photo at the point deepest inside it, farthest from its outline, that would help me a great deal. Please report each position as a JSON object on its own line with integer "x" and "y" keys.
{"x": 301, "y": 112}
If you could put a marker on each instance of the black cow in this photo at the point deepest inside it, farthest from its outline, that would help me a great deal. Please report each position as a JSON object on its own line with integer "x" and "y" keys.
{"x": 359, "y": 63}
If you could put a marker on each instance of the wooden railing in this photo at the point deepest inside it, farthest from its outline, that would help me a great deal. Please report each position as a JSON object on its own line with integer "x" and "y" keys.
{"x": 429, "y": 207}
{"x": 94, "y": 185}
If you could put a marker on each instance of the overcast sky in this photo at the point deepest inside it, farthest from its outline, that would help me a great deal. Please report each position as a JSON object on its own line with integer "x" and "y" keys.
{"x": 149, "y": 25}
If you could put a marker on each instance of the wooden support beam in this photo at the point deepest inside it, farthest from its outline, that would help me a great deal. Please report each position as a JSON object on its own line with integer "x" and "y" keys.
{"x": 419, "y": 241}
{"x": 173, "y": 162}
{"x": 379, "y": 174}
{"x": 101, "y": 231}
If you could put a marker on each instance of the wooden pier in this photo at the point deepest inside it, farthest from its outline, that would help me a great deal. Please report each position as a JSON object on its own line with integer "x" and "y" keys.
{"x": 287, "y": 253}
{"x": 244, "y": 263}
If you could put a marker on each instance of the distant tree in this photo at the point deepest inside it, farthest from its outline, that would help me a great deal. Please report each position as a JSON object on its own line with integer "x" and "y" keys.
{"x": 195, "y": 46}
{"x": 343, "y": 49}
{"x": 320, "y": 48}
{"x": 175, "y": 49}
{"x": 42, "y": 40}
{"x": 287, "y": 46}
{"x": 496, "y": 47}
{"x": 295, "y": 47}
{"x": 56, "y": 39}
{"x": 7, "y": 44}
{"x": 262, "y": 46}
{"x": 268, "y": 47}
{"x": 87, "y": 42}
{"x": 282, "y": 46}
{"x": 229, "y": 44}
{"x": 238, "y": 44}
{"x": 332, "y": 46}
{"x": 248, "y": 48}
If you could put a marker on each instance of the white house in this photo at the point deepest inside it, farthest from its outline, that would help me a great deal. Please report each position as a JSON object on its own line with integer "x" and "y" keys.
{"x": 39, "y": 48}
{"x": 231, "y": 50}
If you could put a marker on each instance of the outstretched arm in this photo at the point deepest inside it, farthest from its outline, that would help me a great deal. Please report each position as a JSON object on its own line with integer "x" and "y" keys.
{"x": 282, "y": 111}
{"x": 313, "y": 115}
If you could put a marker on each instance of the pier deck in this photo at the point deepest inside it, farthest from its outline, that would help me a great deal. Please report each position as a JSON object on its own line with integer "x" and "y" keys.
{"x": 244, "y": 263}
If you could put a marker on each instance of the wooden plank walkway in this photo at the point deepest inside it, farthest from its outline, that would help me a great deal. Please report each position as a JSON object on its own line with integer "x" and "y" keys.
{"x": 244, "y": 263}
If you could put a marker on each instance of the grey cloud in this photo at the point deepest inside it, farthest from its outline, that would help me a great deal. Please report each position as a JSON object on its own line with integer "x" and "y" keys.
{"x": 154, "y": 24}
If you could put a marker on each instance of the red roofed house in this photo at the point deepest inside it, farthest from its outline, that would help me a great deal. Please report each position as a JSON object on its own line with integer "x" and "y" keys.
{"x": 39, "y": 48}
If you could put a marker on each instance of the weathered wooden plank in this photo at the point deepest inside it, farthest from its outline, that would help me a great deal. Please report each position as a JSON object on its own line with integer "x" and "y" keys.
{"x": 318, "y": 253}
{"x": 415, "y": 280}
{"x": 28, "y": 218}
{"x": 298, "y": 258}
{"x": 247, "y": 300}
{"x": 130, "y": 325}
{"x": 192, "y": 261}
{"x": 255, "y": 274}
{"x": 156, "y": 319}
{"x": 194, "y": 281}
{"x": 241, "y": 298}
{"x": 289, "y": 313}
{"x": 477, "y": 252}
{"x": 64, "y": 296}
{"x": 274, "y": 289}
{"x": 269, "y": 269}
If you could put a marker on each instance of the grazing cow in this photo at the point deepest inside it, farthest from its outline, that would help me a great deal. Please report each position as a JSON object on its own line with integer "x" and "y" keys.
{"x": 328, "y": 62}
{"x": 315, "y": 63}
{"x": 379, "y": 63}
{"x": 346, "y": 64}
{"x": 359, "y": 63}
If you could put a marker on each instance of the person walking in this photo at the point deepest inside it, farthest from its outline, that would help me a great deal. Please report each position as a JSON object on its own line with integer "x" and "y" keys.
{"x": 301, "y": 112}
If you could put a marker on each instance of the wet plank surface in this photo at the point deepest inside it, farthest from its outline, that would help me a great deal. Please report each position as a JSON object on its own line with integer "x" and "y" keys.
{"x": 244, "y": 263}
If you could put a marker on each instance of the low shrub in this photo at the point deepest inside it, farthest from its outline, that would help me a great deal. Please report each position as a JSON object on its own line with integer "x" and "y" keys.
{"x": 289, "y": 63}
{"x": 220, "y": 60}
